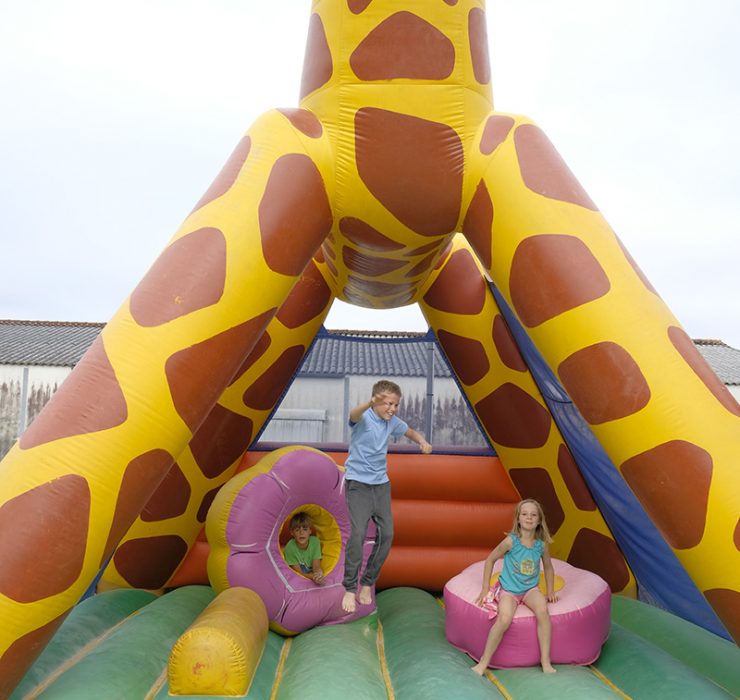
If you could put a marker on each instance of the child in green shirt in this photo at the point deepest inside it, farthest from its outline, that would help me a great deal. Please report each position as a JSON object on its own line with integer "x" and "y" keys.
{"x": 303, "y": 551}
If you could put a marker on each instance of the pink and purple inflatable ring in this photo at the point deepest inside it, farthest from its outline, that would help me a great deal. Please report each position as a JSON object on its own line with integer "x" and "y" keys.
{"x": 243, "y": 527}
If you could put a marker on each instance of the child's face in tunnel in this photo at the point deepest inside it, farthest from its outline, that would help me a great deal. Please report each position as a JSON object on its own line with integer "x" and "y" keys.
{"x": 300, "y": 534}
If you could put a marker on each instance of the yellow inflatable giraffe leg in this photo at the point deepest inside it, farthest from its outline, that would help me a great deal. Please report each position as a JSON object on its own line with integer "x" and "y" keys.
{"x": 169, "y": 523}
{"x": 480, "y": 349}
{"x": 650, "y": 399}
{"x": 152, "y": 377}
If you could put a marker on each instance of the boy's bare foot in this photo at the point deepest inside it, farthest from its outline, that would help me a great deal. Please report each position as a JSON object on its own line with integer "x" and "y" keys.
{"x": 547, "y": 667}
{"x": 349, "y": 604}
{"x": 366, "y": 595}
{"x": 480, "y": 670}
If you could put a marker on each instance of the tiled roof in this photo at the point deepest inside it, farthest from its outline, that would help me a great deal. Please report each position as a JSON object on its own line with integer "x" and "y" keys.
{"x": 46, "y": 343}
{"x": 723, "y": 359}
{"x": 62, "y": 344}
{"x": 406, "y": 355}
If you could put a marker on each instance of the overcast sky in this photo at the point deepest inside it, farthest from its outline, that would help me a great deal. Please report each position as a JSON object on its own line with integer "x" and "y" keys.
{"x": 117, "y": 115}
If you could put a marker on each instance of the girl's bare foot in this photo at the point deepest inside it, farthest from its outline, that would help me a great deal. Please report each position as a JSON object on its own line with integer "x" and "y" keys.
{"x": 366, "y": 595}
{"x": 480, "y": 670}
{"x": 349, "y": 604}
{"x": 548, "y": 668}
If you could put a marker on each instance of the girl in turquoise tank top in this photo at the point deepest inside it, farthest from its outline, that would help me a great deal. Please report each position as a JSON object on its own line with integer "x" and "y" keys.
{"x": 522, "y": 549}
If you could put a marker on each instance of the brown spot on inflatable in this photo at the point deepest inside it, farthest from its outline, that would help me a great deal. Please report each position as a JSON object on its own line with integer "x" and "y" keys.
{"x": 189, "y": 275}
{"x": 17, "y": 658}
{"x": 467, "y": 356}
{"x": 205, "y": 504}
{"x": 604, "y": 382}
{"x": 198, "y": 375}
{"x": 170, "y": 499}
{"x": 330, "y": 265}
{"x": 701, "y": 368}
{"x": 598, "y": 553}
{"x": 257, "y": 351}
{"x": 551, "y": 274}
{"x": 513, "y": 418}
{"x": 478, "y": 222}
{"x": 305, "y": 121}
{"x": 43, "y": 535}
{"x": 149, "y": 562}
{"x": 672, "y": 483}
{"x": 227, "y": 177}
{"x": 574, "y": 480}
{"x": 317, "y": 62}
{"x": 362, "y": 289}
{"x": 308, "y": 299}
{"x": 422, "y": 266}
{"x": 358, "y": 6}
{"x": 138, "y": 488}
{"x": 535, "y": 482}
{"x": 434, "y": 245}
{"x": 403, "y": 46}
{"x": 328, "y": 249}
{"x": 89, "y": 400}
{"x": 266, "y": 390}
{"x": 459, "y": 287}
{"x": 446, "y": 253}
{"x": 544, "y": 171}
{"x": 220, "y": 441}
{"x": 395, "y": 302}
{"x": 413, "y": 167}
{"x": 506, "y": 346}
{"x": 365, "y": 236}
{"x": 478, "y": 38}
{"x": 636, "y": 267}
{"x": 495, "y": 131}
{"x": 369, "y": 265}
{"x": 736, "y": 536}
{"x": 726, "y": 604}
{"x": 294, "y": 214}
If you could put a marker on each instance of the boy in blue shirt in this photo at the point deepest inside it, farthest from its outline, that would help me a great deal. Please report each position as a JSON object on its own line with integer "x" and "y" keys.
{"x": 367, "y": 488}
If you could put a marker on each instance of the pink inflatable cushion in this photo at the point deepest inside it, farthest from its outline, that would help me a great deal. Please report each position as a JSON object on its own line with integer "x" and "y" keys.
{"x": 580, "y": 619}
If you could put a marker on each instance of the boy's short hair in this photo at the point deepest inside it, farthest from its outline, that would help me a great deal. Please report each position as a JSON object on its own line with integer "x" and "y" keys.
{"x": 300, "y": 519}
{"x": 384, "y": 386}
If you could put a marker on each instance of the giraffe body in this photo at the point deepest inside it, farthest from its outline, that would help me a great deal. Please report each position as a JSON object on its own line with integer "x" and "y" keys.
{"x": 356, "y": 195}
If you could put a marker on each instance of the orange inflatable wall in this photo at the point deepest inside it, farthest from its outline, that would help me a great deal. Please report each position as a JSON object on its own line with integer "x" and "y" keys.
{"x": 449, "y": 511}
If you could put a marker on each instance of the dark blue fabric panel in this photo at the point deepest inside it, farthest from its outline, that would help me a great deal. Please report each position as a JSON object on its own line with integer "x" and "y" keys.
{"x": 662, "y": 579}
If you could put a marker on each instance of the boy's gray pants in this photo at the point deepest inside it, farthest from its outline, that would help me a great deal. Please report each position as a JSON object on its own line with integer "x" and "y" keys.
{"x": 367, "y": 502}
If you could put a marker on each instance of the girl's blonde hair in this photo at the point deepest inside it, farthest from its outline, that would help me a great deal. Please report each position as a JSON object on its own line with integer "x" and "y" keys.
{"x": 541, "y": 532}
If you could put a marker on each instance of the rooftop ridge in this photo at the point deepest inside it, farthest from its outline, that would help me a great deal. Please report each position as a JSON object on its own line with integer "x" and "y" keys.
{"x": 75, "y": 324}
{"x": 375, "y": 333}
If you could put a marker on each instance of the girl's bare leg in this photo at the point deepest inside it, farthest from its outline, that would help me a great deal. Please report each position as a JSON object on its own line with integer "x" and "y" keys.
{"x": 537, "y": 603}
{"x": 506, "y": 608}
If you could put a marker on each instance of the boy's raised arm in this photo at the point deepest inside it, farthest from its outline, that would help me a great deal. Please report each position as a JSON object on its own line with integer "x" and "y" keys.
{"x": 356, "y": 413}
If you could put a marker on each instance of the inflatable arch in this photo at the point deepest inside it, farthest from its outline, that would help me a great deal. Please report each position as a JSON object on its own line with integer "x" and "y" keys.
{"x": 394, "y": 182}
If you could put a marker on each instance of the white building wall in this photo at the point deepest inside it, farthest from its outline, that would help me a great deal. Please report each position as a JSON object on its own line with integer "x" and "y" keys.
{"x": 337, "y": 395}
{"x": 36, "y": 384}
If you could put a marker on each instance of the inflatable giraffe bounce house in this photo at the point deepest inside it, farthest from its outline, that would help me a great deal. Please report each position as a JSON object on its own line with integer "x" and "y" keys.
{"x": 393, "y": 182}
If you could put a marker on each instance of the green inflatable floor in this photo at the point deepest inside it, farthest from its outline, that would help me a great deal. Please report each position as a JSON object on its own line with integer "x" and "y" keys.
{"x": 116, "y": 645}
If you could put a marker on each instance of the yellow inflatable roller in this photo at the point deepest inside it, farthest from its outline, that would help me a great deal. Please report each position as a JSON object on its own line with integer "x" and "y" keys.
{"x": 219, "y": 652}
